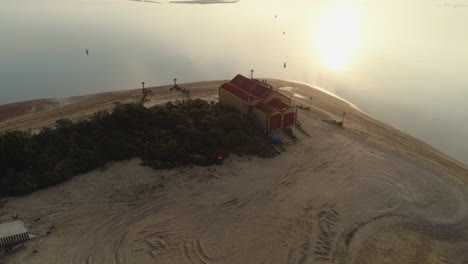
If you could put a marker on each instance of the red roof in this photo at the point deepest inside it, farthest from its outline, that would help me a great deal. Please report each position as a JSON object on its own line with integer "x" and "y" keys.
{"x": 255, "y": 88}
{"x": 276, "y": 103}
{"x": 238, "y": 92}
{"x": 249, "y": 90}
{"x": 265, "y": 107}
{"x": 238, "y": 80}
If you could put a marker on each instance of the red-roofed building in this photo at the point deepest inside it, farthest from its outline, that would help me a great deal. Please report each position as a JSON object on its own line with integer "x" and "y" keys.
{"x": 258, "y": 101}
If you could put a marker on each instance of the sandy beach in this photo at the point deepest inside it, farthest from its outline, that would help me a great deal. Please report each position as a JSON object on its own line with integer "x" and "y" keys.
{"x": 364, "y": 193}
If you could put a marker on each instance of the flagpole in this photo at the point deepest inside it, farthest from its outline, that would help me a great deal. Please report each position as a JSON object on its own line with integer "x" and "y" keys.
{"x": 294, "y": 123}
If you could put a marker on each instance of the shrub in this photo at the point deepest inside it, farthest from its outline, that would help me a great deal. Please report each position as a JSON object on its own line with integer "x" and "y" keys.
{"x": 193, "y": 132}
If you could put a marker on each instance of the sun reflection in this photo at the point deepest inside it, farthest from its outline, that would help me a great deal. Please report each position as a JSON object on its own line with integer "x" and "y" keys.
{"x": 337, "y": 36}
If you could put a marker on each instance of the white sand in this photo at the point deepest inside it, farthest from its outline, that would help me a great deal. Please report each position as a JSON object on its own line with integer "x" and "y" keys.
{"x": 363, "y": 194}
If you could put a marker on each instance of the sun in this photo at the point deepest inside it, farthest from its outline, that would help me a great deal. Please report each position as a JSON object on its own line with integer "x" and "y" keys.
{"x": 337, "y": 36}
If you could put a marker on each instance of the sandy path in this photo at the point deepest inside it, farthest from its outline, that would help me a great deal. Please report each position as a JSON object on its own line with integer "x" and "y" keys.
{"x": 363, "y": 194}
{"x": 40, "y": 113}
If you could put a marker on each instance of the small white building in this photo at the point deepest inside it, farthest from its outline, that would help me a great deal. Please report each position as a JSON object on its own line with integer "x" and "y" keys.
{"x": 12, "y": 233}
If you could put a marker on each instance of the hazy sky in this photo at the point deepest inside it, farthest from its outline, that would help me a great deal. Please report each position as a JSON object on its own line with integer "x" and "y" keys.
{"x": 403, "y": 61}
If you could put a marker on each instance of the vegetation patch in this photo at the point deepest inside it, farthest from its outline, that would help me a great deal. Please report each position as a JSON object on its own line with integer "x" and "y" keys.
{"x": 191, "y": 132}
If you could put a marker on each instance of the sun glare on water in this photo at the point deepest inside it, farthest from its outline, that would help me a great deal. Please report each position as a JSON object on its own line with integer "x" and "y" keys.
{"x": 337, "y": 36}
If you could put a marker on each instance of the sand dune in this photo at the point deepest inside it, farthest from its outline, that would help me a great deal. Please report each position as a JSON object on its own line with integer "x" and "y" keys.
{"x": 365, "y": 193}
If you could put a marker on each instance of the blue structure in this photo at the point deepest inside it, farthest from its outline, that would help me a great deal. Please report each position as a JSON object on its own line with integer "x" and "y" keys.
{"x": 274, "y": 138}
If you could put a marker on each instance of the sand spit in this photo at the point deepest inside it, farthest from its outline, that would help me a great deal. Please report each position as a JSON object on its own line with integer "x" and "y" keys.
{"x": 365, "y": 193}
